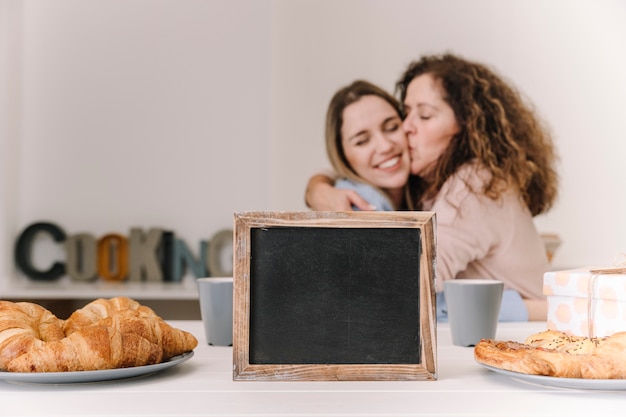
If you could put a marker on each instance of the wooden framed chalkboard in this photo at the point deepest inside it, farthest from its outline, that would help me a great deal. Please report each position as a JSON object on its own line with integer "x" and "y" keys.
{"x": 334, "y": 296}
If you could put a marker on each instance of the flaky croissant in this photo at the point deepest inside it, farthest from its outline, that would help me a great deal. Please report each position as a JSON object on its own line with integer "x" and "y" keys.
{"x": 109, "y": 334}
{"x": 92, "y": 348}
{"x": 130, "y": 317}
{"x": 22, "y": 326}
{"x": 102, "y": 308}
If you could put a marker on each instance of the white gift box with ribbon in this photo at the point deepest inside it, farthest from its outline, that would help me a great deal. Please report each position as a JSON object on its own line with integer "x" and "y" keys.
{"x": 586, "y": 302}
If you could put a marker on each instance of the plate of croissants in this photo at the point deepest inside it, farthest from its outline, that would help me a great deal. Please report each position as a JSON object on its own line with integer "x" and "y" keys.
{"x": 553, "y": 358}
{"x": 106, "y": 339}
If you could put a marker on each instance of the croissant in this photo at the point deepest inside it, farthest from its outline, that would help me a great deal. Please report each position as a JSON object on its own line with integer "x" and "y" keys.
{"x": 172, "y": 341}
{"x": 91, "y": 348}
{"x": 103, "y": 308}
{"x": 130, "y": 317}
{"x": 105, "y": 334}
{"x": 23, "y": 325}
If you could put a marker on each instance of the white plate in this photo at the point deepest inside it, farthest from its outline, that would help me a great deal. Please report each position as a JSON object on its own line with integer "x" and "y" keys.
{"x": 573, "y": 383}
{"x": 91, "y": 376}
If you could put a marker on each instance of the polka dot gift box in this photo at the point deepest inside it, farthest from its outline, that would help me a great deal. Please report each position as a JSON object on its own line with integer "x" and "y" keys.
{"x": 586, "y": 302}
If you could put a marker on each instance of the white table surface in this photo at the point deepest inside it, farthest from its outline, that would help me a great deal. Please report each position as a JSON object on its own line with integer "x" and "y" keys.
{"x": 203, "y": 386}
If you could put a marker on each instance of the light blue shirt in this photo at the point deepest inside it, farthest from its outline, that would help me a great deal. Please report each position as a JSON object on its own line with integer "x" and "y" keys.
{"x": 369, "y": 193}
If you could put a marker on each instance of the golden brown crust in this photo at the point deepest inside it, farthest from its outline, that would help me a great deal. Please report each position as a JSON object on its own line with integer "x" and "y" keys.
{"x": 23, "y": 326}
{"x": 103, "y": 308}
{"x": 511, "y": 356}
{"x": 105, "y": 334}
{"x": 553, "y": 353}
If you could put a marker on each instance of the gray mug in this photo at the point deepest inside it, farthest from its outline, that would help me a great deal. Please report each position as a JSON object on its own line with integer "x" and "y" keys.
{"x": 216, "y": 309}
{"x": 473, "y": 309}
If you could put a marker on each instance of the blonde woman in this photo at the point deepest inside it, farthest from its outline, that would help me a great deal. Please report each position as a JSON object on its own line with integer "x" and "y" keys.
{"x": 367, "y": 146}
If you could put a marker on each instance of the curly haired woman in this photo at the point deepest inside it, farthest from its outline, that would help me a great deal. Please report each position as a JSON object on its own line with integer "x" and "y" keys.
{"x": 482, "y": 160}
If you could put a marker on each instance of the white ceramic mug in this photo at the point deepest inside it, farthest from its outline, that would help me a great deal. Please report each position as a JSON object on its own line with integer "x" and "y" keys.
{"x": 216, "y": 309}
{"x": 473, "y": 309}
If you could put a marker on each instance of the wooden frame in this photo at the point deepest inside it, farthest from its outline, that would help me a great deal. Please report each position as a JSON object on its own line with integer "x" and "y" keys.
{"x": 423, "y": 369}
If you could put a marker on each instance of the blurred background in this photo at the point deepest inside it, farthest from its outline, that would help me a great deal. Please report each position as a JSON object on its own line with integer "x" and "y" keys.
{"x": 175, "y": 114}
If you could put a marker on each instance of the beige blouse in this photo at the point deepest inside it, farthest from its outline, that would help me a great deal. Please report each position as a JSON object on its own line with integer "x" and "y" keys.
{"x": 478, "y": 237}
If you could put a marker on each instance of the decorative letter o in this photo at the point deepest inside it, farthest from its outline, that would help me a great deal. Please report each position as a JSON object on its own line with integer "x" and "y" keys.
{"x": 113, "y": 251}
{"x": 220, "y": 241}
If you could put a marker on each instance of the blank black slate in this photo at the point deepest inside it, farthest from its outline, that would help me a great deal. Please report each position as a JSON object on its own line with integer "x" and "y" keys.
{"x": 327, "y": 295}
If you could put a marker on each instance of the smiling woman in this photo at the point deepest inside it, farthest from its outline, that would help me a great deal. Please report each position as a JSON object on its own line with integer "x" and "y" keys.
{"x": 366, "y": 144}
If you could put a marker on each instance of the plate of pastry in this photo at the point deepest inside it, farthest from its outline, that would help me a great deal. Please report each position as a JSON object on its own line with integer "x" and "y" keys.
{"x": 553, "y": 358}
{"x": 106, "y": 339}
{"x": 92, "y": 376}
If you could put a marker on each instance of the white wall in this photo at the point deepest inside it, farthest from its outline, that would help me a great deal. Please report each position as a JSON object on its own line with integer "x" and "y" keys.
{"x": 10, "y": 20}
{"x": 178, "y": 113}
{"x": 141, "y": 113}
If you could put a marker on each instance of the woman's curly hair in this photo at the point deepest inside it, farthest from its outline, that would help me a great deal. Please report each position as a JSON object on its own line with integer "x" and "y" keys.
{"x": 497, "y": 129}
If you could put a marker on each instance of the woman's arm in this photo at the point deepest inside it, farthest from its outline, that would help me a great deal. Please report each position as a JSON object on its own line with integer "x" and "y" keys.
{"x": 321, "y": 195}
